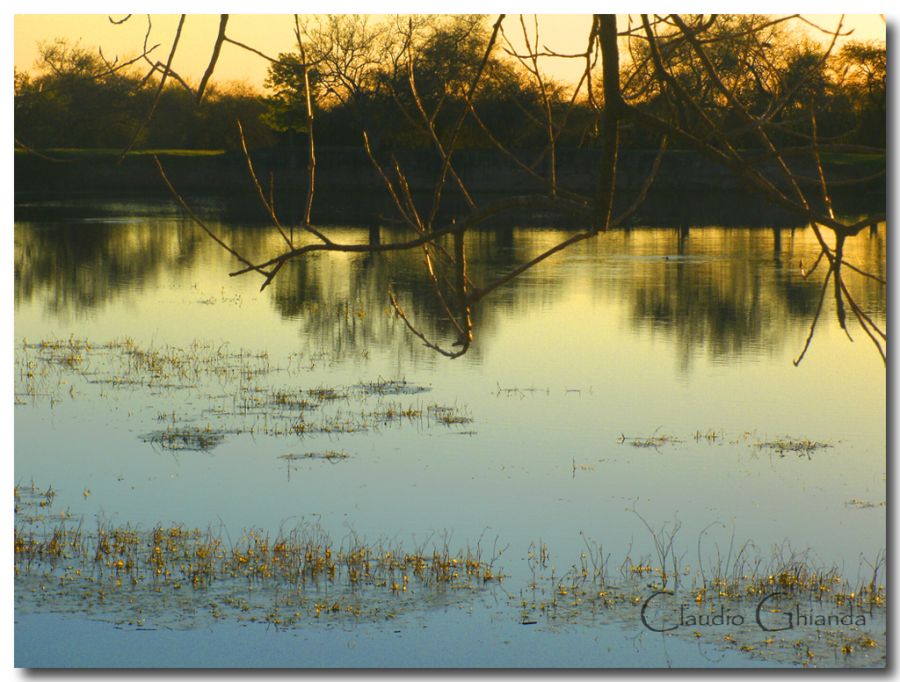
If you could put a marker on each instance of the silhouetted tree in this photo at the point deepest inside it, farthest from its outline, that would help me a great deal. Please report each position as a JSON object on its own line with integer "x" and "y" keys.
{"x": 740, "y": 91}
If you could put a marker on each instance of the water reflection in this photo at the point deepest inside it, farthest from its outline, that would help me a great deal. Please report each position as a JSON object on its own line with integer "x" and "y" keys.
{"x": 725, "y": 291}
{"x": 75, "y": 267}
{"x": 730, "y": 291}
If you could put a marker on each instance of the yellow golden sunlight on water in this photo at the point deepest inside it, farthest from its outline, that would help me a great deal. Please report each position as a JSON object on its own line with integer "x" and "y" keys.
{"x": 607, "y": 344}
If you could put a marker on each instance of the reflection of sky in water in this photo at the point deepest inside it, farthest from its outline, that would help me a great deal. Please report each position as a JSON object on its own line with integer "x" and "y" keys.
{"x": 484, "y": 639}
{"x": 636, "y": 333}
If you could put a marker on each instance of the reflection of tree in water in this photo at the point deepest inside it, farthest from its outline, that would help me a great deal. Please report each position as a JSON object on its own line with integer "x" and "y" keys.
{"x": 342, "y": 300}
{"x": 339, "y": 302}
{"x": 738, "y": 290}
{"x": 869, "y": 248}
{"x": 77, "y": 267}
{"x": 721, "y": 291}
{"x": 721, "y": 311}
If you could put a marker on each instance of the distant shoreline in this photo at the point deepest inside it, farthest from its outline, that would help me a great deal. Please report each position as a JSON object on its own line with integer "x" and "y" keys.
{"x": 688, "y": 188}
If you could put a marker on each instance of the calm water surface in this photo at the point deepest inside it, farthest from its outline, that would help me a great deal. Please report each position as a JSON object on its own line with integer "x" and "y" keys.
{"x": 635, "y": 334}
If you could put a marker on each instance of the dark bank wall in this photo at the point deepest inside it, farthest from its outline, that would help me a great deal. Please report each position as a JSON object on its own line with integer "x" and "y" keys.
{"x": 344, "y": 172}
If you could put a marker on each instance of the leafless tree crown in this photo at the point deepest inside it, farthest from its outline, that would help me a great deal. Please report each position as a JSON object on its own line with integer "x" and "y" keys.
{"x": 709, "y": 83}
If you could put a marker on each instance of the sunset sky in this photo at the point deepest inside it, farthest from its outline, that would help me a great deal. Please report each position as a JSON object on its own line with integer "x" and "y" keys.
{"x": 274, "y": 33}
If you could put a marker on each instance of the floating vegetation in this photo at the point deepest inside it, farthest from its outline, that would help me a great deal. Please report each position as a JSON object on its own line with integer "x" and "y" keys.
{"x": 448, "y": 415}
{"x": 32, "y": 504}
{"x": 391, "y": 387}
{"x": 710, "y": 436}
{"x": 165, "y": 572}
{"x": 863, "y": 504}
{"x": 191, "y": 439}
{"x": 328, "y": 455}
{"x": 323, "y": 394}
{"x": 217, "y": 392}
{"x": 655, "y": 441}
{"x": 782, "y": 446}
{"x": 782, "y": 607}
{"x": 172, "y": 575}
{"x": 520, "y": 392}
{"x": 391, "y": 412}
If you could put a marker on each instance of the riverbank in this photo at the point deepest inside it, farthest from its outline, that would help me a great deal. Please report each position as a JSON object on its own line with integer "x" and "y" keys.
{"x": 487, "y": 174}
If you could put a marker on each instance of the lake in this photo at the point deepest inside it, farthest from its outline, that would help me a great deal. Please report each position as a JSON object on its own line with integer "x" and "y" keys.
{"x": 635, "y": 392}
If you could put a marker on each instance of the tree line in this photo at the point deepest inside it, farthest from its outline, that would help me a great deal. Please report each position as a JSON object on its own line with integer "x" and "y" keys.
{"x": 73, "y": 99}
{"x": 753, "y": 95}
{"x": 358, "y": 77}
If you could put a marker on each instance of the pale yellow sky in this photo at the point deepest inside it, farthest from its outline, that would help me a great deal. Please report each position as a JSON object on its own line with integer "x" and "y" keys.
{"x": 273, "y": 33}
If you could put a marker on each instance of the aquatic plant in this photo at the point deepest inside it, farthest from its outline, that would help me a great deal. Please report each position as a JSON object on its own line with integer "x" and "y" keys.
{"x": 133, "y": 571}
{"x": 799, "y": 446}
{"x": 169, "y": 573}
{"x": 239, "y": 391}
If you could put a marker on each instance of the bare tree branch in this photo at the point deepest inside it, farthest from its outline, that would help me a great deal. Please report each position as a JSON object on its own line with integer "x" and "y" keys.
{"x": 162, "y": 84}
{"x": 675, "y": 61}
{"x": 217, "y": 48}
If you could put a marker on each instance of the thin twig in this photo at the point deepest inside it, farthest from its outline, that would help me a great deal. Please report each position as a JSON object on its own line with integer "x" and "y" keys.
{"x": 270, "y": 209}
{"x": 651, "y": 176}
{"x": 199, "y": 222}
{"x": 812, "y": 326}
{"x": 159, "y": 91}
{"x": 310, "y": 132}
{"x": 243, "y": 46}
{"x": 38, "y": 154}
